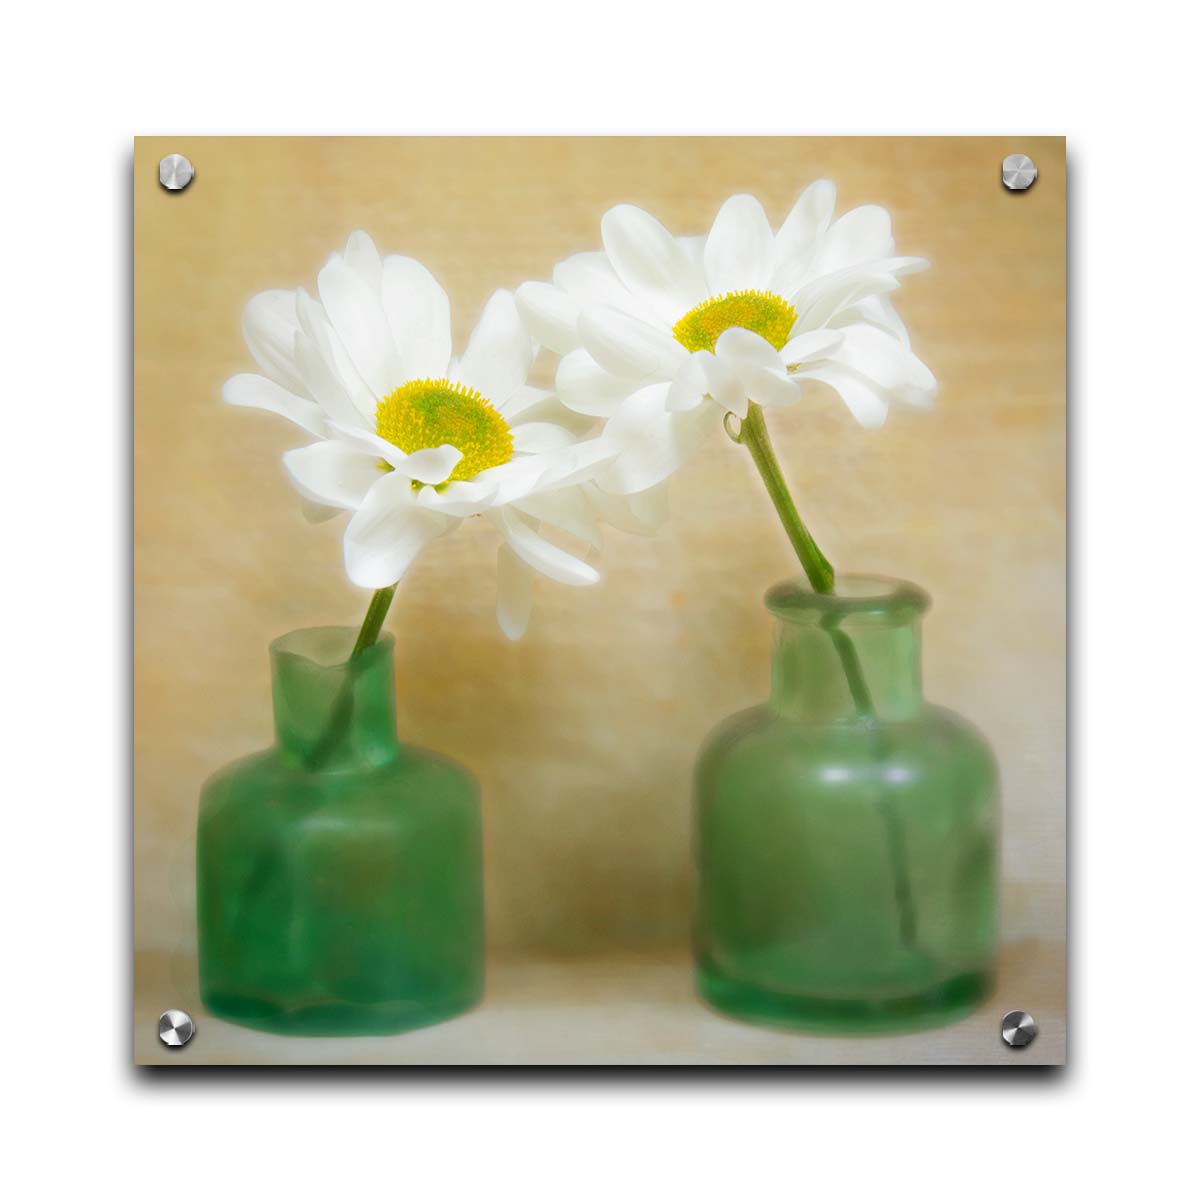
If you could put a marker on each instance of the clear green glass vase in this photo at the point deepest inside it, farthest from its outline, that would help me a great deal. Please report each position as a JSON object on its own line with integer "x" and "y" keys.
{"x": 338, "y": 874}
{"x": 846, "y": 830}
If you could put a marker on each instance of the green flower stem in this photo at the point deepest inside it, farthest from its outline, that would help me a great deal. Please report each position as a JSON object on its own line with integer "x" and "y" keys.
{"x": 753, "y": 435}
{"x": 847, "y": 652}
{"x": 373, "y": 621}
{"x": 894, "y": 831}
{"x": 343, "y": 706}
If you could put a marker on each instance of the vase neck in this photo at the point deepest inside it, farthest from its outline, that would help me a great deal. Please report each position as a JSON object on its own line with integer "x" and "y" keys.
{"x": 856, "y": 654}
{"x": 333, "y": 714}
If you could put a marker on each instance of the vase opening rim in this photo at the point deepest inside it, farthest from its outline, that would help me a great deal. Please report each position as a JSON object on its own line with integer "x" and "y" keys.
{"x": 328, "y": 647}
{"x": 876, "y": 596}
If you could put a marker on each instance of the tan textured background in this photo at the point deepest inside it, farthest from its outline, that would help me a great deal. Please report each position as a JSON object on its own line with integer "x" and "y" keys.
{"x": 583, "y": 735}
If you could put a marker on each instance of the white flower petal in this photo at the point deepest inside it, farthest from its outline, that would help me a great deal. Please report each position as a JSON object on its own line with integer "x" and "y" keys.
{"x": 770, "y": 388}
{"x": 462, "y": 498}
{"x": 388, "y": 532}
{"x": 589, "y": 280}
{"x": 875, "y": 310}
{"x": 529, "y": 404}
{"x": 724, "y": 386}
{"x": 627, "y": 347}
{"x": 363, "y": 259}
{"x": 323, "y": 383}
{"x": 317, "y": 514}
{"x": 650, "y": 262}
{"x": 541, "y": 555}
{"x": 650, "y": 442}
{"x": 536, "y": 437}
{"x": 642, "y": 513}
{"x": 693, "y": 247}
{"x": 865, "y": 401}
{"x": 826, "y": 308}
{"x": 565, "y": 509}
{"x": 689, "y": 385}
{"x": 432, "y": 465}
{"x": 883, "y": 360}
{"x": 332, "y": 473}
{"x": 269, "y": 326}
{"x": 799, "y": 235}
{"x": 820, "y": 300}
{"x": 356, "y": 313}
{"x": 859, "y": 236}
{"x": 253, "y": 391}
{"x": 418, "y": 315}
{"x": 500, "y": 351}
{"x": 738, "y": 252}
{"x": 758, "y": 369}
{"x": 815, "y": 344}
{"x": 706, "y": 375}
{"x": 372, "y": 443}
{"x": 738, "y": 347}
{"x": 316, "y": 326}
{"x": 525, "y": 402}
{"x": 514, "y": 594}
{"x": 512, "y": 480}
{"x": 586, "y": 387}
{"x": 549, "y": 315}
{"x": 574, "y": 464}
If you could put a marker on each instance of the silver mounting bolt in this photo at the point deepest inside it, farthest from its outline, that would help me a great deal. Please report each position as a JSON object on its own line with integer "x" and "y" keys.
{"x": 1018, "y": 172}
{"x": 175, "y": 1028}
{"x": 175, "y": 172}
{"x": 1018, "y": 1028}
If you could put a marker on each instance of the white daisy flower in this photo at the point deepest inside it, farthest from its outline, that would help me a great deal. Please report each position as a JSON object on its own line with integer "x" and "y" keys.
{"x": 663, "y": 335}
{"x": 412, "y": 440}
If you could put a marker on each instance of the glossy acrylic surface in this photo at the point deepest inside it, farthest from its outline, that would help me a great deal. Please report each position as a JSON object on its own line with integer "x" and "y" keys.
{"x": 339, "y": 879}
{"x": 847, "y": 859}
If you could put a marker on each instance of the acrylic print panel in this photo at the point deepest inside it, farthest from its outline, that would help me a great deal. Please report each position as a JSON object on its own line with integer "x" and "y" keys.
{"x": 821, "y": 888}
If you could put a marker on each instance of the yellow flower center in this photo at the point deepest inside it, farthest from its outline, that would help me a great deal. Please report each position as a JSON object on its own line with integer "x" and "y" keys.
{"x": 764, "y": 313}
{"x": 425, "y": 413}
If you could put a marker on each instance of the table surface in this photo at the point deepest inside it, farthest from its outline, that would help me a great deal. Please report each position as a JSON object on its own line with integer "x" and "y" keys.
{"x": 608, "y": 1012}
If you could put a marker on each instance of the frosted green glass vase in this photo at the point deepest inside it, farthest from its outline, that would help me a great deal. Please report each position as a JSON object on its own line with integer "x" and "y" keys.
{"x": 338, "y": 874}
{"x": 846, "y": 830}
